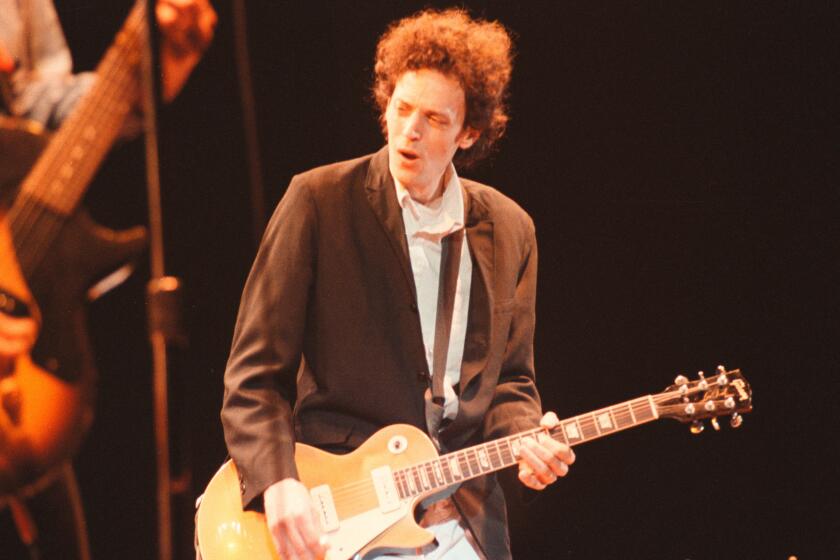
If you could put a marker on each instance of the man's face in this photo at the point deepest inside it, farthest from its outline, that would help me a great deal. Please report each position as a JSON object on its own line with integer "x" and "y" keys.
{"x": 425, "y": 118}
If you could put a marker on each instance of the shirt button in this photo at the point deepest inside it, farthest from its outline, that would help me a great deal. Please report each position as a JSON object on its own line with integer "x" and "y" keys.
{"x": 413, "y": 306}
{"x": 421, "y": 376}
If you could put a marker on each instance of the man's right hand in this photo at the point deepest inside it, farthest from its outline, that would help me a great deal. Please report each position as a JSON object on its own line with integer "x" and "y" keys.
{"x": 293, "y": 521}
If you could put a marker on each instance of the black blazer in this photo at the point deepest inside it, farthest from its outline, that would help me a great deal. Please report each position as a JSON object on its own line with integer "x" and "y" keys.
{"x": 328, "y": 321}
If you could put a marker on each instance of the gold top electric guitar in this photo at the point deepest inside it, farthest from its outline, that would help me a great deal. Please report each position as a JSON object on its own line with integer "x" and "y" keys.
{"x": 366, "y": 499}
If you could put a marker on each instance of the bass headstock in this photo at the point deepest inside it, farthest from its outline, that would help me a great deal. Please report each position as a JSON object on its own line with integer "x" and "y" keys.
{"x": 726, "y": 393}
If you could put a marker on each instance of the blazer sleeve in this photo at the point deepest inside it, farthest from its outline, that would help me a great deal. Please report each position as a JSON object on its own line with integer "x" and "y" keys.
{"x": 267, "y": 345}
{"x": 516, "y": 403}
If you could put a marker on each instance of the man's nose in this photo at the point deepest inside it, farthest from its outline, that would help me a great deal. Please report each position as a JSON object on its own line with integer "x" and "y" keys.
{"x": 413, "y": 127}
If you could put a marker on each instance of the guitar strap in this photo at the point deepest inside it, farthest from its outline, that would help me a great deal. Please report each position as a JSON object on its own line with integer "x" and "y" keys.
{"x": 450, "y": 260}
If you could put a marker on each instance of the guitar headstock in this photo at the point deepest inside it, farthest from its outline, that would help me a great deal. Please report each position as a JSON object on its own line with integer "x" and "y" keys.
{"x": 727, "y": 392}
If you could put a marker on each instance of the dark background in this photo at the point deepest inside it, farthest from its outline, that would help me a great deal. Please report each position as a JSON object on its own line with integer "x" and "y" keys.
{"x": 680, "y": 162}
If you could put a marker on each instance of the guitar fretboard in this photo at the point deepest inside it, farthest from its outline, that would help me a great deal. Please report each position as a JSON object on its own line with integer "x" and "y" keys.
{"x": 495, "y": 455}
{"x": 57, "y": 181}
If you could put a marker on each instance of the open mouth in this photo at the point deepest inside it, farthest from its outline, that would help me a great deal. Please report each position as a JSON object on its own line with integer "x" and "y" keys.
{"x": 410, "y": 156}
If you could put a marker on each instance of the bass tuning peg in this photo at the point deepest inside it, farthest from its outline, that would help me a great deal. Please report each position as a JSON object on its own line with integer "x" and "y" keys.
{"x": 696, "y": 427}
{"x": 736, "y": 420}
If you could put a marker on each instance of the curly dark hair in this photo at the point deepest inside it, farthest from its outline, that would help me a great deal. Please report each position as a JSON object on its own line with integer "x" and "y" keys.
{"x": 476, "y": 53}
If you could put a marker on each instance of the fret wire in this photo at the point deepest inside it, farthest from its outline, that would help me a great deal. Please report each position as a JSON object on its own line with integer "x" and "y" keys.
{"x": 594, "y": 420}
{"x": 23, "y": 223}
{"x": 92, "y": 107}
{"x": 447, "y": 474}
{"x": 18, "y": 215}
{"x": 497, "y": 454}
{"x": 506, "y": 451}
{"x": 464, "y": 464}
{"x": 109, "y": 74}
{"x": 612, "y": 416}
{"x": 472, "y": 460}
{"x": 418, "y": 482}
{"x": 632, "y": 416}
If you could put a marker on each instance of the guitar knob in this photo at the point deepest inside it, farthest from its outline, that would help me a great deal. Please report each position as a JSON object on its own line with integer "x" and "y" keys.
{"x": 729, "y": 402}
{"x": 736, "y": 420}
{"x": 696, "y": 427}
{"x": 722, "y": 380}
{"x": 689, "y": 409}
{"x": 715, "y": 424}
{"x": 709, "y": 406}
{"x": 680, "y": 380}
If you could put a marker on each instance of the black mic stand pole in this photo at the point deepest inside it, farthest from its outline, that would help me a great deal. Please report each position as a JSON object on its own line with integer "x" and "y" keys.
{"x": 162, "y": 292}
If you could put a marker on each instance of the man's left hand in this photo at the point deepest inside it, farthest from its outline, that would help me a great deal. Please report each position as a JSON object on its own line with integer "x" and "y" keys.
{"x": 544, "y": 460}
{"x": 186, "y": 28}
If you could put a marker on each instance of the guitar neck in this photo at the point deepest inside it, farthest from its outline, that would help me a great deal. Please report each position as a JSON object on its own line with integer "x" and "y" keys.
{"x": 478, "y": 460}
{"x": 59, "y": 178}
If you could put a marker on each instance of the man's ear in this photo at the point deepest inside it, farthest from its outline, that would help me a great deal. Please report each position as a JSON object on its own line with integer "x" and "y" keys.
{"x": 468, "y": 138}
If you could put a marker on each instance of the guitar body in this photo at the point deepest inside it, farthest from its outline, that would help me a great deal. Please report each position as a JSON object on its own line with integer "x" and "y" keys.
{"x": 47, "y": 397}
{"x": 227, "y": 532}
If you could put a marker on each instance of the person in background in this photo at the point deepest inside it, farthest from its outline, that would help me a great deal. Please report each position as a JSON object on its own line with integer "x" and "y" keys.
{"x": 38, "y": 84}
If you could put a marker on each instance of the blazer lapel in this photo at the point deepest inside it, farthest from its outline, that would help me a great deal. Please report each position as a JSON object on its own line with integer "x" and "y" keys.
{"x": 479, "y": 229}
{"x": 382, "y": 196}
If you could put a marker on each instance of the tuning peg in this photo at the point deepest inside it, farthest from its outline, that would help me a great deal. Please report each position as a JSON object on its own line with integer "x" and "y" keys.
{"x": 721, "y": 369}
{"x": 703, "y": 385}
{"x": 715, "y": 424}
{"x": 736, "y": 420}
{"x": 722, "y": 379}
{"x": 729, "y": 402}
{"x": 696, "y": 427}
{"x": 680, "y": 380}
{"x": 709, "y": 406}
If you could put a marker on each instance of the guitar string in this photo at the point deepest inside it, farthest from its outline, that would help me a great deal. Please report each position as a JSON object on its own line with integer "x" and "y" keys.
{"x": 87, "y": 105}
{"x": 351, "y": 494}
{"x": 117, "y": 80}
{"x": 364, "y": 487}
{"x": 115, "y": 67}
{"x": 118, "y": 70}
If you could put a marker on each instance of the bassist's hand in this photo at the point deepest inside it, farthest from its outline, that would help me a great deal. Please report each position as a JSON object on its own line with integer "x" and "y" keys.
{"x": 544, "y": 460}
{"x": 293, "y": 521}
{"x": 187, "y": 28}
{"x": 17, "y": 335}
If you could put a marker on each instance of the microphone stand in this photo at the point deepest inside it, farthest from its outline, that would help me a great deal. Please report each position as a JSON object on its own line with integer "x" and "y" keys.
{"x": 163, "y": 293}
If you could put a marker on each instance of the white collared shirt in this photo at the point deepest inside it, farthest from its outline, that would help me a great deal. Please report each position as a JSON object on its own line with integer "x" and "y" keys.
{"x": 425, "y": 226}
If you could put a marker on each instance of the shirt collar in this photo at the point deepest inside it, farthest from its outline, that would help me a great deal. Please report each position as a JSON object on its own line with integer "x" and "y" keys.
{"x": 450, "y": 217}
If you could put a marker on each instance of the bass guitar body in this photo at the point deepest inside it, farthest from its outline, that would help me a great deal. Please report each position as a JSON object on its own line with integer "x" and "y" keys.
{"x": 46, "y": 398}
{"x": 358, "y": 515}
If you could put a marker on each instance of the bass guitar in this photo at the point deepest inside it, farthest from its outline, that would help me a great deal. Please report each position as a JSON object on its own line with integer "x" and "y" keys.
{"x": 366, "y": 499}
{"x": 53, "y": 257}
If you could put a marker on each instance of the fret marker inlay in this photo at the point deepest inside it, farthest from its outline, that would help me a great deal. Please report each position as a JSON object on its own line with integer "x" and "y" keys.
{"x": 604, "y": 421}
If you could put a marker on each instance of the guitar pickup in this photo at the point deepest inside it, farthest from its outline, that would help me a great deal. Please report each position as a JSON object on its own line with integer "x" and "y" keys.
{"x": 322, "y": 496}
{"x": 386, "y": 489}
